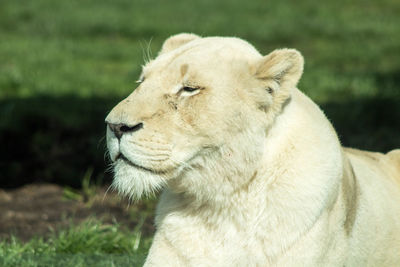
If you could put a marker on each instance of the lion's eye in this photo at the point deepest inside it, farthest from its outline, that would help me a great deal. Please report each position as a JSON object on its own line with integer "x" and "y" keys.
{"x": 190, "y": 89}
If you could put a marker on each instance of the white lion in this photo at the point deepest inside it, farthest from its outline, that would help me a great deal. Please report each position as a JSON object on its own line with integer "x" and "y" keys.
{"x": 253, "y": 172}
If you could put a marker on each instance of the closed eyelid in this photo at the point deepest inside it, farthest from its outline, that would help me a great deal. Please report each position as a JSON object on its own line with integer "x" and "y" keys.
{"x": 190, "y": 83}
{"x": 180, "y": 88}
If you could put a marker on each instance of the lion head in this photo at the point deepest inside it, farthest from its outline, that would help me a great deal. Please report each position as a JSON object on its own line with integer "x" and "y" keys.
{"x": 199, "y": 116}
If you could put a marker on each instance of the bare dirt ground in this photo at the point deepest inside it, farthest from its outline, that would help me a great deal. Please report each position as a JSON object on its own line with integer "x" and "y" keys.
{"x": 39, "y": 209}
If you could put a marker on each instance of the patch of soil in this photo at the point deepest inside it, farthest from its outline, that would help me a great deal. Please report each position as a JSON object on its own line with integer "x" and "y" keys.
{"x": 39, "y": 209}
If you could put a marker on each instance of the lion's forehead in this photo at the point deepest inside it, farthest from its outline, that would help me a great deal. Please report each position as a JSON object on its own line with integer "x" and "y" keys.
{"x": 206, "y": 55}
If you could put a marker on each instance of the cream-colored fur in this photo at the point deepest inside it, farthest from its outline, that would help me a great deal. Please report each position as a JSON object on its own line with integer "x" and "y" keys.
{"x": 252, "y": 171}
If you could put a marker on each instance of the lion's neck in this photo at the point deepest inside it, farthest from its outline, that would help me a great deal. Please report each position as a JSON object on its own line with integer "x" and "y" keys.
{"x": 279, "y": 190}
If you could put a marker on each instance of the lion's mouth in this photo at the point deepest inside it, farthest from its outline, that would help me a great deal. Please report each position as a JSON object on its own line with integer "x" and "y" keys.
{"x": 133, "y": 164}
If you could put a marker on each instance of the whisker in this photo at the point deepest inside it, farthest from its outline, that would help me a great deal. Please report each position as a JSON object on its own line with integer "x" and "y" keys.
{"x": 142, "y": 157}
{"x": 153, "y": 141}
{"x": 149, "y": 54}
{"x": 110, "y": 167}
{"x": 102, "y": 140}
{"x": 105, "y": 193}
{"x": 144, "y": 54}
{"x": 150, "y": 148}
{"x": 155, "y": 160}
{"x": 182, "y": 163}
{"x": 156, "y": 157}
{"x": 106, "y": 156}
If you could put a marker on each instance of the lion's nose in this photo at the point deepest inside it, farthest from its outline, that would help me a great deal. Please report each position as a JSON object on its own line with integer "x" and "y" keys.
{"x": 120, "y": 129}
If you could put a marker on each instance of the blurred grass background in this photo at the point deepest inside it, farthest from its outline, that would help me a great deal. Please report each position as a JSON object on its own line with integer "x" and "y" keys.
{"x": 65, "y": 64}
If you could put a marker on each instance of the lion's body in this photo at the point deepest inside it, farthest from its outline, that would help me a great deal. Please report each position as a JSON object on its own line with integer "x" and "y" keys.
{"x": 375, "y": 236}
{"x": 254, "y": 177}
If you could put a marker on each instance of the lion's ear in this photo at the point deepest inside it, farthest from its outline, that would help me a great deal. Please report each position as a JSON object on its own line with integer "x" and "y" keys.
{"x": 284, "y": 66}
{"x": 176, "y": 41}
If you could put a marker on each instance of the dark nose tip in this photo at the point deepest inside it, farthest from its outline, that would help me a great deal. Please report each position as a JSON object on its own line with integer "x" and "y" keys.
{"x": 120, "y": 129}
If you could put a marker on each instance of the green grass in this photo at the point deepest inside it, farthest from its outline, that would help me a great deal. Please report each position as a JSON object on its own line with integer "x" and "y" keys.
{"x": 89, "y": 244}
{"x": 95, "y": 48}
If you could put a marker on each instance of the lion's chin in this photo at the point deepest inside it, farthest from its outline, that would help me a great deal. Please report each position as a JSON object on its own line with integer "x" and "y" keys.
{"x": 136, "y": 182}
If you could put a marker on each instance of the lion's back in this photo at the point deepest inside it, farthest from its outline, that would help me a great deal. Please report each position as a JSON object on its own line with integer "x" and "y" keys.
{"x": 394, "y": 157}
{"x": 377, "y": 179}
{"x": 387, "y": 165}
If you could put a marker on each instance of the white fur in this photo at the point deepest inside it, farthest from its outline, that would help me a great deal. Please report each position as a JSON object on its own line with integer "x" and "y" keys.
{"x": 253, "y": 172}
{"x": 135, "y": 183}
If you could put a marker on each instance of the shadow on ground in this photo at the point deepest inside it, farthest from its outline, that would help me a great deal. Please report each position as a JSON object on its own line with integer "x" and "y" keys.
{"x": 59, "y": 139}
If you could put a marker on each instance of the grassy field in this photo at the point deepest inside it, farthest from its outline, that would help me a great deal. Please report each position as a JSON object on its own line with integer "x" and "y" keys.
{"x": 95, "y": 48}
{"x": 64, "y": 64}
{"x": 89, "y": 244}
